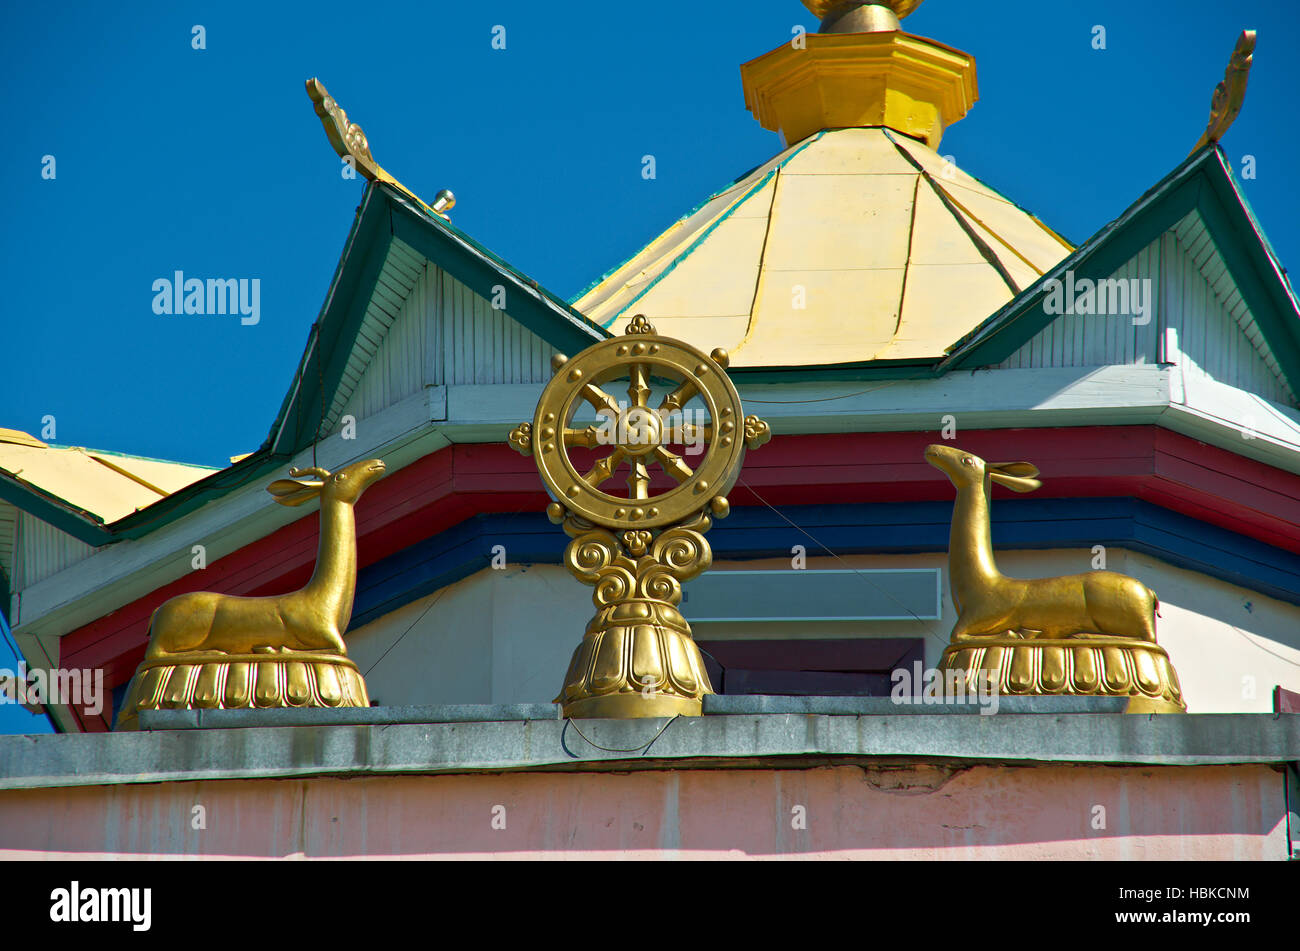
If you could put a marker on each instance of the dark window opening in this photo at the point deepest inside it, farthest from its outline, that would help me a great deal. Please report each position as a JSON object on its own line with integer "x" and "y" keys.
{"x": 839, "y": 667}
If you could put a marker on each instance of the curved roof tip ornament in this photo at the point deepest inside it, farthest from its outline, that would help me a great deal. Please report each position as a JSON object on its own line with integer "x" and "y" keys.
{"x": 1228, "y": 96}
{"x": 352, "y": 145}
{"x": 637, "y": 658}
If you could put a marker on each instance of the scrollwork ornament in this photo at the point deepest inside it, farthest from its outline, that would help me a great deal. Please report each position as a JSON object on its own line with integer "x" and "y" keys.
{"x": 521, "y": 439}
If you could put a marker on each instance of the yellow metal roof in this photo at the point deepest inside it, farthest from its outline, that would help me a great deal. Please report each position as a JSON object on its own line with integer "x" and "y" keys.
{"x": 105, "y": 484}
{"x": 856, "y": 244}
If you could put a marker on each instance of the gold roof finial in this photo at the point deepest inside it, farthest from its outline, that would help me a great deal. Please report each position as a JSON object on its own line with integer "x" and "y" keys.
{"x": 351, "y": 144}
{"x": 1228, "y": 96}
{"x": 860, "y": 70}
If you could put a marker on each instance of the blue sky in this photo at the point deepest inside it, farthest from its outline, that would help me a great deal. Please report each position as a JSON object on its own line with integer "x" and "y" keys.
{"x": 212, "y": 162}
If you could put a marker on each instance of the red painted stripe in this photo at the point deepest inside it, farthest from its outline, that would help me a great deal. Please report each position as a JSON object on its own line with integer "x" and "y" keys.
{"x": 455, "y": 483}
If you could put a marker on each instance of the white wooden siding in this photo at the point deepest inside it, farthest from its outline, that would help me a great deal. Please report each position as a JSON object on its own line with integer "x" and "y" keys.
{"x": 1198, "y": 313}
{"x": 43, "y": 550}
{"x": 1089, "y": 340}
{"x": 1217, "y": 336}
{"x": 403, "y": 269}
{"x": 479, "y": 344}
{"x": 439, "y": 332}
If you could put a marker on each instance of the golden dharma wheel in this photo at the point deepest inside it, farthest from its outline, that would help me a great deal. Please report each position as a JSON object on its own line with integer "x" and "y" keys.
{"x": 699, "y": 407}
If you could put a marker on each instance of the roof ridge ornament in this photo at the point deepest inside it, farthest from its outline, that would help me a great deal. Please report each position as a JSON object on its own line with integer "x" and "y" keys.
{"x": 860, "y": 16}
{"x": 1228, "y": 96}
{"x": 351, "y": 144}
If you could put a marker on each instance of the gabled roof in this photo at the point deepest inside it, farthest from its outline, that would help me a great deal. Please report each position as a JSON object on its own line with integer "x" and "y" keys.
{"x": 387, "y": 225}
{"x": 378, "y": 259}
{"x": 856, "y": 245}
{"x": 1203, "y": 184}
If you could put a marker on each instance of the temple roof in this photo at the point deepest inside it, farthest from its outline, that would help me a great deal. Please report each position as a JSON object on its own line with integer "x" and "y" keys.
{"x": 104, "y": 485}
{"x": 854, "y": 245}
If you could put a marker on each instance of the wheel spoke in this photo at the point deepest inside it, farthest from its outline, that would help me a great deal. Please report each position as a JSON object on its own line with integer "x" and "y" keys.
{"x": 599, "y": 398}
{"x": 638, "y": 388}
{"x": 638, "y": 482}
{"x": 673, "y": 464}
{"x": 678, "y": 397}
{"x": 589, "y": 438}
{"x": 686, "y": 433}
{"x": 604, "y": 469}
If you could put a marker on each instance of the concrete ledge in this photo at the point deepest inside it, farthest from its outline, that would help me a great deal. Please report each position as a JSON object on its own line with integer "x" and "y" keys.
{"x": 714, "y": 705}
{"x": 721, "y": 704}
{"x": 347, "y": 716}
{"x": 711, "y": 742}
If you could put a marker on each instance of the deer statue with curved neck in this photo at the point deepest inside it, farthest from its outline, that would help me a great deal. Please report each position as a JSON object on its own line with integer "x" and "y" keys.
{"x": 988, "y": 602}
{"x": 218, "y": 650}
{"x": 311, "y": 618}
{"x": 1091, "y": 634}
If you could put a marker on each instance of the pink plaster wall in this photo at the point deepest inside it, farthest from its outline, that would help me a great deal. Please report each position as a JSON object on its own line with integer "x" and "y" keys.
{"x": 912, "y": 812}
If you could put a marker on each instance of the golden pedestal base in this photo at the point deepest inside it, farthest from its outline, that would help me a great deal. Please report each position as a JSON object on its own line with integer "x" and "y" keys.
{"x": 220, "y": 681}
{"x": 1079, "y": 666}
{"x": 637, "y": 659}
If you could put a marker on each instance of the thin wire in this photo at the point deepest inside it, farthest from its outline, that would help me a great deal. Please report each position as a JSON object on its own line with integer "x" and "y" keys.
{"x": 825, "y": 548}
{"x": 1254, "y": 643}
{"x": 611, "y": 749}
{"x": 824, "y": 399}
{"x": 407, "y": 631}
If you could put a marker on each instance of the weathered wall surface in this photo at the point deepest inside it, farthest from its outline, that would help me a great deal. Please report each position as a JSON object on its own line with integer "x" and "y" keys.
{"x": 839, "y": 812}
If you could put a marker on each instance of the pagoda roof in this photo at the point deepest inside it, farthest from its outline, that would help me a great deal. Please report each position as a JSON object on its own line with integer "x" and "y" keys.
{"x": 856, "y": 245}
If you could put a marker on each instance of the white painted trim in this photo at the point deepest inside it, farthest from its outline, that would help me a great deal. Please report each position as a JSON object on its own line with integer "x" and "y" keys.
{"x": 1028, "y": 398}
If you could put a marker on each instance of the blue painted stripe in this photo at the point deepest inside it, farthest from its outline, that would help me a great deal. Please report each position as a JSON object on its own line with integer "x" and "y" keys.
{"x": 881, "y": 528}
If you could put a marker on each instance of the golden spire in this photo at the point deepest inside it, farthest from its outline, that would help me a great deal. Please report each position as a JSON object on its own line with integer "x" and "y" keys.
{"x": 860, "y": 69}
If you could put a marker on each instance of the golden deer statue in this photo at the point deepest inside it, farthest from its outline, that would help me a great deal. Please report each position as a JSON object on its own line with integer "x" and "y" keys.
{"x": 211, "y": 650}
{"x": 1089, "y": 633}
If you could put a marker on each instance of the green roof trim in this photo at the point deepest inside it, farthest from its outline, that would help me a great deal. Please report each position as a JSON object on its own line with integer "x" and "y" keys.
{"x": 330, "y": 341}
{"x": 63, "y": 515}
{"x": 542, "y": 312}
{"x": 702, "y": 236}
{"x": 717, "y": 193}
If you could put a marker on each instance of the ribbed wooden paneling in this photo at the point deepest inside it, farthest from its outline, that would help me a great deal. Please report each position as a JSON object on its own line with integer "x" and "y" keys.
{"x": 1088, "y": 340}
{"x": 1217, "y": 335}
{"x": 8, "y": 528}
{"x": 432, "y": 332}
{"x": 479, "y": 344}
{"x": 403, "y": 269}
{"x": 1212, "y": 331}
{"x": 43, "y": 550}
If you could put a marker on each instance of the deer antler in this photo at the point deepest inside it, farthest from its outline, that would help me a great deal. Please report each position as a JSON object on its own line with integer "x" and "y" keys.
{"x": 291, "y": 492}
{"x": 317, "y": 471}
